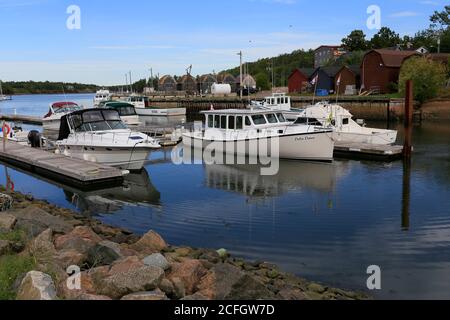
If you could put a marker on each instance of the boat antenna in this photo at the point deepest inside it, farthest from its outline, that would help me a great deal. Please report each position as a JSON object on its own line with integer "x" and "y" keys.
{"x": 64, "y": 93}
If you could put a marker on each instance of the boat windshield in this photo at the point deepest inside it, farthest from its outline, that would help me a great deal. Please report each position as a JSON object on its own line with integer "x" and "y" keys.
{"x": 281, "y": 117}
{"x": 66, "y": 108}
{"x": 259, "y": 119}
{"x": 97, "y": 120}
{"x": 126, "y": 111}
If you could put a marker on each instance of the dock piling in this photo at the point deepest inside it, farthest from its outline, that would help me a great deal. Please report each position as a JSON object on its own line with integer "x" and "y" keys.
{"x": 409, "y": 114}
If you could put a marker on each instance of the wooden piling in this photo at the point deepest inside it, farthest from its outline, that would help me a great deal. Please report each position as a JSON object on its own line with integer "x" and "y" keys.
{"x": 409, "y": 113}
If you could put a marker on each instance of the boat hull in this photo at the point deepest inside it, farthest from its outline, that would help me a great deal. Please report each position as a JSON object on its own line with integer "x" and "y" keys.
{"x": 308, "y": 147}
{"x": 51, "y": 124}
{"x": 132, "y": 159}
{"x": 381, "y": 138}
{"x": 161, "y": 112}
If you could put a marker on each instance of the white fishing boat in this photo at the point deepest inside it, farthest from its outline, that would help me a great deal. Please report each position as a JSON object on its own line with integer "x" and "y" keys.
{"x": 229, "y": 128}
{"x": 143, "y": 108}
{"x": 99, "y": 135}
{"x": 57, "y": 110}
{"x": 101, "y": 96}
{"x": 126, "y": 110}
{"x": 345, "y": 129}
{"x": 2, "y": 96}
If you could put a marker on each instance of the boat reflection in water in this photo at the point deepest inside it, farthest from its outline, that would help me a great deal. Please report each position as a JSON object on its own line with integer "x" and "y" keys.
{"x": 292, "y": 177}
{"x": 137, "y": 190}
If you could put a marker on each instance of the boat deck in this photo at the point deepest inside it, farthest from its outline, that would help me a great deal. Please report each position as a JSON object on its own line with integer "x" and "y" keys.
{"x": 368, "y": 151}
{"x": 59, "y": 167}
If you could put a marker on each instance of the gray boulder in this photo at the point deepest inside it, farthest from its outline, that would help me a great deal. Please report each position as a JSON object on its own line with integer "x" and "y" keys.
{"x": 157, "y": 260}
{"x": 7, "y": 222}
{"x": 37, "y": 286}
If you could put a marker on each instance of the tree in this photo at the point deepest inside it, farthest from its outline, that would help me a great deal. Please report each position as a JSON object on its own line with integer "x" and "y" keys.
{"x": 441, "y": 20}
{"x": 355, "y": 41}
{"x": 428, "y": 77}
{"x": 262, "y": 81}
{"x": 385, "y": 38}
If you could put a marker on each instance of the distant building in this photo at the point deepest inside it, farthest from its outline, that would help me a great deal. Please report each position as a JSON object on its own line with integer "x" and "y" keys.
{"x": 439, "y": 57}
{"x": 326, "y": 78}
{"x": 325, "y": 54}
{"x": 167, "y": 84}
{"x": 187, "y": 83}
{"x": 248, "y": 82}
{"x": 299, "y": 80}
{"x": 350, "y": 76}
{"x": 226, "y": 78}
{"x": 381, "y": 68}
{"x": 205, "y": 82}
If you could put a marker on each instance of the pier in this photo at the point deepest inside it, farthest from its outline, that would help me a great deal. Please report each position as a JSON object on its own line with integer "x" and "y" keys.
{"x": 368, "y": 151}
{"x": 60, "y": 168}
{"x": 22, "y": 119}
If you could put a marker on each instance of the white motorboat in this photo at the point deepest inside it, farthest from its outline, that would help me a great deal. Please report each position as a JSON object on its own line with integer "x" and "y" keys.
{"x": 126, "y": 110}
{"x": 228, "y": 129}
{"x": 57, "y": 110}
{"x": 345, "y": 129}
{"x": 101, "y": 96}
{"x": 99, "y": 135}
{"x": 331, "y": 116}
{"x": 143, "y": 108}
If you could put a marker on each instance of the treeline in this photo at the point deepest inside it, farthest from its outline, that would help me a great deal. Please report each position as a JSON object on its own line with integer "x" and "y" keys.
{"x": 32, "y": 87}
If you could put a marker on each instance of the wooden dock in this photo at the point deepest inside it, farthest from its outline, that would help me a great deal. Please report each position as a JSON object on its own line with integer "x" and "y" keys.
{"x": 22, "y": 119}
{"x": 368, "y": 151}
{"x": 60, "y": 168}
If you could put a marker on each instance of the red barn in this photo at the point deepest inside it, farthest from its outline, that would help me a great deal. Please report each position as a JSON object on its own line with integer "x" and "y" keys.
{"x": 350, "y": 76}
{"x": 381, "y": 68}
{"x": 299, "y": 79}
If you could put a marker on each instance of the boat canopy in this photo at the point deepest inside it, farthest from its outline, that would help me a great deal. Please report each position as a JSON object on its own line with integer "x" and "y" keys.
{"x": 124, "y": 108}
{"x": 90, "y": 120}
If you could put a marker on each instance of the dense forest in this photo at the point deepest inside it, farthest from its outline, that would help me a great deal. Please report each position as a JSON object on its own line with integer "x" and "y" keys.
{"x": 32, "y": 87}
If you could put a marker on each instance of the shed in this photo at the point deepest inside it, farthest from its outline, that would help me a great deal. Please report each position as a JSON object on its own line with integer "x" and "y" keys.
{"x": 326, "y": 79}
{"x": 167, "y": 84}
{"x": 227, "y": 78}
{"x": 248, "y": 82}
{"x": 205, "y": 83}
{"x": 299, "y": 79}
{"x": 381, "y": 68}
{"x": 350, "y": 76}
{"x": 187, "y": 83}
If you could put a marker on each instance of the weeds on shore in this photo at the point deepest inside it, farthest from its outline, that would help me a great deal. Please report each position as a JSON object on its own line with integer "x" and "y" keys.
{"x": 11, "y": 268}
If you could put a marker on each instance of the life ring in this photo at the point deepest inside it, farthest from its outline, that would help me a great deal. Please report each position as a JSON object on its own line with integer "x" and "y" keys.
{"x": 6, "y": 129}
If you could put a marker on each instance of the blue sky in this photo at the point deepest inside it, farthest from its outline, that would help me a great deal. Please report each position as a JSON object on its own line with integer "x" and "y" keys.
{"x": 119, "y": 36}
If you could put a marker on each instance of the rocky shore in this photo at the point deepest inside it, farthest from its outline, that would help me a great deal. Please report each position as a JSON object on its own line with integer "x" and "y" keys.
{"x": 50, "y": 253}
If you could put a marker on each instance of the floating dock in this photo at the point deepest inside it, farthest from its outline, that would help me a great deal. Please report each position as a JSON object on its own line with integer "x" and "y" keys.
{"x": 22, "y": 119}
{"x": 60, "y": 168}
{"x": 368, "y": 151}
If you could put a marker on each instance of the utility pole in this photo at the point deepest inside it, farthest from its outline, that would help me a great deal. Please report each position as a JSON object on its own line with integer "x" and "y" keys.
{"x": 131, "y": 84}
{"x": 151, "y": 77}
{"x": 241, "y": 79}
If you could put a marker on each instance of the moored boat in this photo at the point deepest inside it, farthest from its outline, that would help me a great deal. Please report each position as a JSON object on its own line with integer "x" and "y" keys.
{"x": 126, "y": 111}
{"x": 99, "y": 135}
{"x": 101, "y": 96}
{"x": 227, "y": 129}
{"x": 143, "y": 108}
{"x": 57, "y": 110}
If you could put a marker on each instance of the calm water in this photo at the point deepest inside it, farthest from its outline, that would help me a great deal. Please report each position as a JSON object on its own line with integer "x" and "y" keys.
{"x": 326, "y": 222}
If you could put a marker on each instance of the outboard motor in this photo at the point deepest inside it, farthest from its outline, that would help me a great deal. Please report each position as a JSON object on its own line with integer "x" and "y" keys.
{"x": 35, "y": 139}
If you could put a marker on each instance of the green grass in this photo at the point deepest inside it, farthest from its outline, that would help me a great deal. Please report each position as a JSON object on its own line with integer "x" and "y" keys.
{"x": 11, "y": 267}
{"x": 14, "y": 236}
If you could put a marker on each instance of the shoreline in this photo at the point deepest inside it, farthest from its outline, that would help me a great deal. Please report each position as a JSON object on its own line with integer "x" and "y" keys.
{"x": 117, "y": 264}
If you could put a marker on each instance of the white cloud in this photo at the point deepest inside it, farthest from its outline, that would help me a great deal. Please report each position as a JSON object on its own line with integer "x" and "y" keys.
{"x": 404, "y": 14}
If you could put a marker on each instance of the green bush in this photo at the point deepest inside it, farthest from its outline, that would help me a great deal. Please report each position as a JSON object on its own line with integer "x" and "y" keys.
{"x": 428, "y": 77}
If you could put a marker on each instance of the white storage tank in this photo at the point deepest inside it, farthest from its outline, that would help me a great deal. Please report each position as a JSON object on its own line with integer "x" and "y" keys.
{"x": 220, "y": 89}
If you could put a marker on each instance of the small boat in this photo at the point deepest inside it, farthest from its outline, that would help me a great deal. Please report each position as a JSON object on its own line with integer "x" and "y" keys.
{"x": 345, "y": 129}
{"x": 99, "y": 135}
{"x": 143, "y": 108}
{"x": 101, "y": 96}
{"x": 230, "y": 127}
{"x": 126, "y": 110}
{"x": 57, "y": 110}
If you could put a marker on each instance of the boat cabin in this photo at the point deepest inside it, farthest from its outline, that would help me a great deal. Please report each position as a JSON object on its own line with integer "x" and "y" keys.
{"x": 90, "y": 120}
{"x": 62, "y": 107}
{"x": 125, "y": 109}
{"x": 278, "y": 101}
{"x": 138, "y": 101}
{"x": 243, "y": 119}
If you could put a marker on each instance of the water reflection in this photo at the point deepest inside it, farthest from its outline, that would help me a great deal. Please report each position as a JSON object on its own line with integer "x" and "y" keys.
{"x": 293, "y": 176}
{"x": 137, "y": 190}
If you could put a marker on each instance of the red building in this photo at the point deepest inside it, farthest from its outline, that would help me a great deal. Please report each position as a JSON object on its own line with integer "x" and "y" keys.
{"x": 349, "y": 76}
{"x": 299, "y": 79}
{"x": 381, "y": 68}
